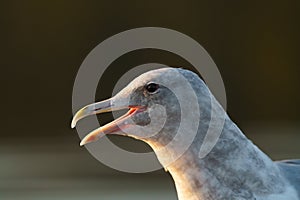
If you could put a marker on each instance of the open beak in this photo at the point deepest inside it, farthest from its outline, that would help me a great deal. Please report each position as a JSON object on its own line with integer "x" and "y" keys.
{"x": 110, "y": 128}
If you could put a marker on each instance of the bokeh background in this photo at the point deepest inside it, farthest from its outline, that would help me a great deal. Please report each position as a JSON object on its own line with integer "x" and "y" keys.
{"x": 255, "y": 44}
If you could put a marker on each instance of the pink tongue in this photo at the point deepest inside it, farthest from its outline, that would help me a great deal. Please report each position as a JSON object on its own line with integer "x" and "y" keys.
{"x": 109, "y": 128}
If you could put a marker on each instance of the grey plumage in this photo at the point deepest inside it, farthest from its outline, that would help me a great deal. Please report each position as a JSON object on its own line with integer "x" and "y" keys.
{"x": 291, "y": 171}
{"x": 234, "y": 169}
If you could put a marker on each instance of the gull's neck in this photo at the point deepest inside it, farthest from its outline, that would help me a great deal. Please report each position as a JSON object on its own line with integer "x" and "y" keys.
{"x": 234, "y": 169}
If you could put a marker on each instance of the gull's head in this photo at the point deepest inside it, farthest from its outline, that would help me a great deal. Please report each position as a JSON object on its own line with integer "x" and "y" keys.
{"x": 153, "y": 102}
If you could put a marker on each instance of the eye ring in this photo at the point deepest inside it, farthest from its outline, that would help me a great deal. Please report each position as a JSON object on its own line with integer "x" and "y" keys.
{"x": 152, "y": 87}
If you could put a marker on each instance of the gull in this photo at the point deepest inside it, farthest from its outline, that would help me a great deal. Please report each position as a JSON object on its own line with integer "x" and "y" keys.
{"x": 173, "y": 111}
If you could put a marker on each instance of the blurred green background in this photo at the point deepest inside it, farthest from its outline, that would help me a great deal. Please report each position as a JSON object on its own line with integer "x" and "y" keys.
{"x": 255, "y": 44}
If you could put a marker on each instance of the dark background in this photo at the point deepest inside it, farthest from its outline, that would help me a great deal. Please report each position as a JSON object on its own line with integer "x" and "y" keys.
{"x": 255, "y": 45}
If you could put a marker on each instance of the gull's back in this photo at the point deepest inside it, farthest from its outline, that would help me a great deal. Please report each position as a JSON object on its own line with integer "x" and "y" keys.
{"x": 291, "y": 170}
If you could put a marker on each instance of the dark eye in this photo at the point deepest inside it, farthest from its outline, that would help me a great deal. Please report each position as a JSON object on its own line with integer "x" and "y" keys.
{"x": 152, "y": 87}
